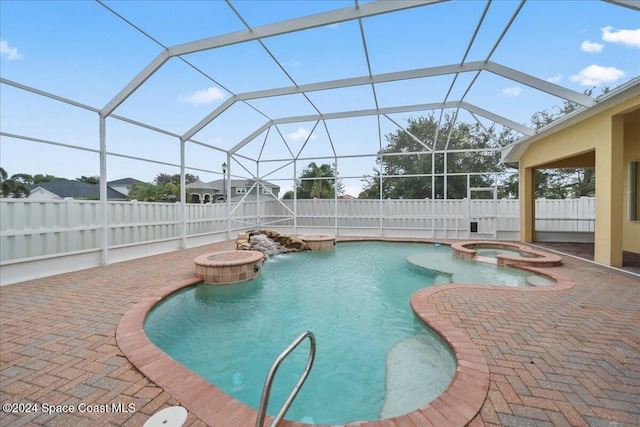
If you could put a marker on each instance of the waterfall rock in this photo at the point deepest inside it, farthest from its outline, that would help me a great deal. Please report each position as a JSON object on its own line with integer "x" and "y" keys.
{"x": 269, "y": 242}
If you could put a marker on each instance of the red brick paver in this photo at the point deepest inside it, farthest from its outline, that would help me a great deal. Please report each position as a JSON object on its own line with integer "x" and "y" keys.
{"x": 565, "y": 357}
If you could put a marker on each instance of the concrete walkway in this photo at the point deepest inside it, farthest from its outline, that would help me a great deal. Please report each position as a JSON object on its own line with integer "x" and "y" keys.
{"x": 570, "y": 357}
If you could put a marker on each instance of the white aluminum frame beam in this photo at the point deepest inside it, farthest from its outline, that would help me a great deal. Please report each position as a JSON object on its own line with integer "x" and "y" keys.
{"x": 542, "y": 85}
{"x": 265, "y": 31}
{"x": 491, "y": 137}
{"x": 303, "y": 23}
{"x": 333, "y": 84}
{"x": 384, "y": 111}
{"x": 631, "y": 4}
{"x": 497, "y": 118}
{"x": 412, "y": 136}
{"x": 501, "y": 70}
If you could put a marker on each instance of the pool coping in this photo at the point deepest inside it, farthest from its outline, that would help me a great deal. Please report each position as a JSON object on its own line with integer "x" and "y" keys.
{"x": 456, "y": 406}
{"x": 466, "y": 249}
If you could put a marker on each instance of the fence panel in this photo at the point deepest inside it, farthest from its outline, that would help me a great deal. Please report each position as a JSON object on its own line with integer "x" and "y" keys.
{"x": 47, "y": 227}
{"x": 133, "y": 222}
{"x": 35, "y": 228}
{"x": 566, "y": 215}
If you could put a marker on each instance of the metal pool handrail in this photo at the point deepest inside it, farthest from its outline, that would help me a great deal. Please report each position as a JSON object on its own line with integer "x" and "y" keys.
{"x": 266, "y": 391}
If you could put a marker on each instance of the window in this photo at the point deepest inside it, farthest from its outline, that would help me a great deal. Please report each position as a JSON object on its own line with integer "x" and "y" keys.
{"x": 265, "y": 190}
{"x": 241, "y": 190}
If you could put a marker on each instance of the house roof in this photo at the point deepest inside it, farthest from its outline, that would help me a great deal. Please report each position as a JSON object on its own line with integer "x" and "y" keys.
{"x": 204, "y": 186}
{"x": 219, "y": 184}
{"x": 124, "y": 181}
{"x": 511, "y": 154}
{"x": 77, "y": 189}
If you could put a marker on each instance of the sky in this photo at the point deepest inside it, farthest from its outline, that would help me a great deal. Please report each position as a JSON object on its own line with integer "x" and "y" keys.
{"x": 88, "y": 51}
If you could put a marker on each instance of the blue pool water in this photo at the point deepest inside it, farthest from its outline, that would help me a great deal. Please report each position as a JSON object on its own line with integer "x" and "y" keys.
{"x": 374, "y": 358}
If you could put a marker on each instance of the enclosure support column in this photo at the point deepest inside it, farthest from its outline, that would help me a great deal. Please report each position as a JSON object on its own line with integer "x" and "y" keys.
{"x": 446, "y": 203}
{"x": 433, "y": 185}
{"x": 609, "y": 196}
{"x": 380, "y": 150}
{"x": 295, "y": 196}
{"x": 183, "y": 196}
{"x": 380, "y": 199}
{"x": 258, "y": 189}
{"x": 227, "y": 191}
{"x": 335, "y": 197}
{"x": 103, "y": 190}
{"x": 468, "y": 203}
{"x": 527, "y": 204}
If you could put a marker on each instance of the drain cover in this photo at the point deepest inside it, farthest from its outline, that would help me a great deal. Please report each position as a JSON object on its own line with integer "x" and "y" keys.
{"x": 173, "y": 416}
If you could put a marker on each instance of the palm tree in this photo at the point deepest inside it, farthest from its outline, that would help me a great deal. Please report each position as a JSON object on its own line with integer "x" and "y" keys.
{"x": 318, "y": 182}
{"x": 144, "y": 192}
{"x": 13, "y": 186}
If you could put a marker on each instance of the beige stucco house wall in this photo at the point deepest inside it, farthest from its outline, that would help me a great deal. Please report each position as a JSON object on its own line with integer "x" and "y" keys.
{"x": 607, "y": 137}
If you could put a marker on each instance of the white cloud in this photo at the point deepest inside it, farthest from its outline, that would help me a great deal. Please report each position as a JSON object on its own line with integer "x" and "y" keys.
{"x": 555, "y": 79}
{"x": 591, "y": 47}
{"x": 204, "y": 96}
{"x": 595, "y": 75}
{"x": 512, "y": 92}
{"x": 300, "y": 135}
{"x": 630, "y": 38}
{"x": 11, "y": 53}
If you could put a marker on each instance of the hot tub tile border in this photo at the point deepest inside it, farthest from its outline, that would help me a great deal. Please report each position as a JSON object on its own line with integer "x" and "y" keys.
{"x": 456, "y": 406}
{"x": 542, "y": 259}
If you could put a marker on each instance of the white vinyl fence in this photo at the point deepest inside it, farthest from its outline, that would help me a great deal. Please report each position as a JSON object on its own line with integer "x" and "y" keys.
{"x": 65, "y": 235}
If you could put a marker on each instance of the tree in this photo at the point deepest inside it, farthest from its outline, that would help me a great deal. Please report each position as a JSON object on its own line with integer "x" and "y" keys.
{"x": 317, "y": 182}
{"x": 562, "y": 183}
{"x": 144, "y": 192}
{"x": 165, "y": 188}
{"x": 89, "y": 179}
{"x": 415, "y": 159}
{"x": 27, "y": 179}
{"x": 13, "y": 186}
{"x": 165, "y": 178}
{"x": 148, "y": 192}
{"x": 40, "y": 178}
{"x": 170, "y": 193}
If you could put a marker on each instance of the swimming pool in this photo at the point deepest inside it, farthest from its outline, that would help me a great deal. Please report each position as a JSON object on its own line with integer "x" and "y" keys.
{"x": 374, "y": 359}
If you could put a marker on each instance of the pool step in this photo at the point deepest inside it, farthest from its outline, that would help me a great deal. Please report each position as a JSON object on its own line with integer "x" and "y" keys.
{"x": 410, "y": 381}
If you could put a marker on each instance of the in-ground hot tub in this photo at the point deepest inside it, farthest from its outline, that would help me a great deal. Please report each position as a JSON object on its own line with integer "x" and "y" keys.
{"x": 229, "y": 266}
{"x": 505, "y": 253}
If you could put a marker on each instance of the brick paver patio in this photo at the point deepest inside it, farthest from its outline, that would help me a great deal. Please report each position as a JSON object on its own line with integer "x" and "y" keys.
{"x": 568, "y": 357}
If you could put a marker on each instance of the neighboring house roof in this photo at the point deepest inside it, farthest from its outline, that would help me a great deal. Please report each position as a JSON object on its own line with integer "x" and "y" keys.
{"x": 77, "y": 189}
{"x": 250, "y": 182}
{"x": 124, "y": 181}
{"x": 218, "y": 184}
{"x": 346, "y": 197}
{"x": 199, "y": 185}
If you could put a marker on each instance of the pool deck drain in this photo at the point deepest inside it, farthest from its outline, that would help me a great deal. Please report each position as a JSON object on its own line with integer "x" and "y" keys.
{"x": 564, "y": 357}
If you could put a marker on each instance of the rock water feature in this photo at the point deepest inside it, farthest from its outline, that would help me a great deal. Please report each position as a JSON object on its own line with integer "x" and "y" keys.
{"x": 270, "y": 242}
{"x": 252, "y": 247}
